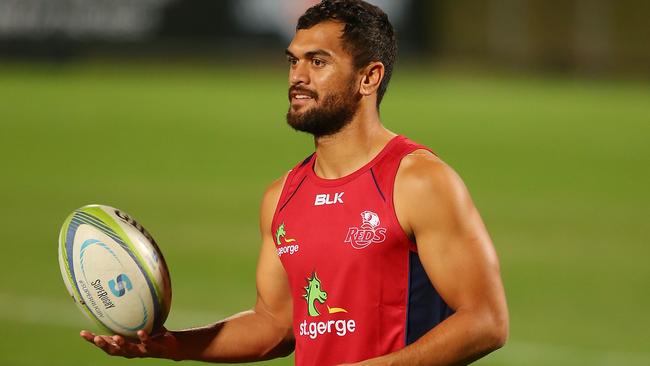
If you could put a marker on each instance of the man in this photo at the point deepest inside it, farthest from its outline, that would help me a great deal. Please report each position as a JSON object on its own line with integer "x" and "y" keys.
{"x": 372, "y": 250}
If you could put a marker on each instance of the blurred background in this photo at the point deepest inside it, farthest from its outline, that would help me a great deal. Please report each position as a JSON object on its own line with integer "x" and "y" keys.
{"x": 173, "y": 110}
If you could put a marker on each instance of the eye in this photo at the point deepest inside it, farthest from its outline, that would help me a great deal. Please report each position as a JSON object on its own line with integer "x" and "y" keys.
{"x": 318, "y": 62}
{"x": 292, "y": 61}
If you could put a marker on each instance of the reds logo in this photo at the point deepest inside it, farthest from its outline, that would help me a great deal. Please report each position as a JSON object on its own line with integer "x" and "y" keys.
{"x": 368, "y": 233}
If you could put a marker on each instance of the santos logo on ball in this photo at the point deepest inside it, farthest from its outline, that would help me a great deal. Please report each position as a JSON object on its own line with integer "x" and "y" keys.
{"x": 312, "y": 329}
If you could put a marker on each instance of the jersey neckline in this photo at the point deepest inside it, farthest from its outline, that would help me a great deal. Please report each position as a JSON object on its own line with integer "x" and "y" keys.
{"x": 347, "y": 178}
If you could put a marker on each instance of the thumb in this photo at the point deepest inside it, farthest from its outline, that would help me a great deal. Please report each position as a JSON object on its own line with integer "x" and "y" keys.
{"x": 143, "y": 336}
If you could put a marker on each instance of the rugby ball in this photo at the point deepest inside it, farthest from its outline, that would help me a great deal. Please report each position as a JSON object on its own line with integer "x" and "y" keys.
{"x": 114, "y": 271}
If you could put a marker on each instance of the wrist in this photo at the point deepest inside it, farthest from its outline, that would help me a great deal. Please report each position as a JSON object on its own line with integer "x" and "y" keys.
{"x": 386, "y": 360}
{"x": 173, "y": 348}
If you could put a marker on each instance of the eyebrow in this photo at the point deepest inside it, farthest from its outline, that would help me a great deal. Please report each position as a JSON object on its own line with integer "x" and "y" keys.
{"x": 310, "y": 54}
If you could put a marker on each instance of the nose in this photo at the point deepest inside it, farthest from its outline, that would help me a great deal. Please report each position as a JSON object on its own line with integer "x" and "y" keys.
{"x": 299, "y": 73}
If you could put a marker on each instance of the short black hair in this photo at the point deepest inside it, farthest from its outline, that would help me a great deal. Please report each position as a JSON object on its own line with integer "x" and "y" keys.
{"x": 368, "y": 34}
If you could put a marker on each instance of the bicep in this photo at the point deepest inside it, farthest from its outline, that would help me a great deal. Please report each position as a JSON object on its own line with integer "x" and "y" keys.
{"x": 273, "y": 292}
{"x": 461, "y": 263}
{"x": 453, "y": 244}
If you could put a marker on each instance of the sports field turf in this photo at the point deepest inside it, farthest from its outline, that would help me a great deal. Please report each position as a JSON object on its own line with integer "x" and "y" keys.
{"x": 559, "y": 170}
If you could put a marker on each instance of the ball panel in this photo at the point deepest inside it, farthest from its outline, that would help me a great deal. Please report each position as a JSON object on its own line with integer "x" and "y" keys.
{"x": 95, "y": 215}
{"x": 105, "y": 276}
{"x": 106, "y": 215}
{"x": 68, "y": 280}
{"x": 63, "y": 263}
{"x": 102, "y": 252}
{"x": 65, "y": 272}
{"x": 151, "y": 257}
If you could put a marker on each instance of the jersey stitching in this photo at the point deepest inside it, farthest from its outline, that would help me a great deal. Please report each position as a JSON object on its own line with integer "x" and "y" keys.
{"x": 304, "y": 162}
{"x": 292, "y": 194}
{"x": 374, "y": 179}
{"x": 391, "y": 187}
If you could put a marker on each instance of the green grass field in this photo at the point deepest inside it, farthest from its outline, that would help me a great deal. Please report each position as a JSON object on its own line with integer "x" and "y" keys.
{"x": 559, "y": 170}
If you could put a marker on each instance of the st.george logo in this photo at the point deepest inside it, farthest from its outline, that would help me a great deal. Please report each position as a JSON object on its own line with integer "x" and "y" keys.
{"x": 368, "y": 233}
{"x": 120, "y": 285}
{"x": 313, "y": 293}
{"x": 340, "y": 326}
{"x": 289, "y": 246}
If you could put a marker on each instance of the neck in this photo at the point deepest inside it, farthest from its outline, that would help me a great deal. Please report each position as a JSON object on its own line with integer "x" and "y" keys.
{"x": 353, "y": 147}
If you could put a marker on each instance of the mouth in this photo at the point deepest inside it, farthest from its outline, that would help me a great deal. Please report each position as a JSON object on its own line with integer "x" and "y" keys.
{"x": 300, "y": 98}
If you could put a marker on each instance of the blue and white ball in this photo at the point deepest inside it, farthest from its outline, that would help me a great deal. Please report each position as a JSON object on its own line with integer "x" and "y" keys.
{"x": 114, "y": 270}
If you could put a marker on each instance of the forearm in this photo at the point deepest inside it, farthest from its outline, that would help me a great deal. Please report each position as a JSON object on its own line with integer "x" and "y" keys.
{"x": 459, "y": 340}
{"x": 245, "y": 337}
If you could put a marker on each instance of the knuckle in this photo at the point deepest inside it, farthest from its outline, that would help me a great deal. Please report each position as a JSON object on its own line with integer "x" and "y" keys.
{"x": 113, "y": 350}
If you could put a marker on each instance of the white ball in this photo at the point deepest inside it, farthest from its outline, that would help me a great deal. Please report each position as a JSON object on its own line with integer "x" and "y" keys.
{"x": 114, "y": 270}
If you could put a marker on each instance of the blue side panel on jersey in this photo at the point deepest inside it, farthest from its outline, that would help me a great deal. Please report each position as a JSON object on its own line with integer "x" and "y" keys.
{"x": 426, "y": 308}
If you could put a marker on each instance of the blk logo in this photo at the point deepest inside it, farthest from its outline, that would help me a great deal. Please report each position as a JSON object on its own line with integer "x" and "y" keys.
{"x": 120, "y": 285}
{"x": 326, "y": 199}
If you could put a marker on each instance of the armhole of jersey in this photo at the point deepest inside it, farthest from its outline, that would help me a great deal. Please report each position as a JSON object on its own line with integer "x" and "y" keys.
{"x": 425, "y": 308}
{"x": 391, "y": 192}
{"x": 283, "y": 193}
{"x": 286, "y": 189}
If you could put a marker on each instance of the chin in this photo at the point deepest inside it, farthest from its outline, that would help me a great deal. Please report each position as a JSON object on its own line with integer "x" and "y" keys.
{"x": 298, "y": 112}
{"x": 301, "y": 109}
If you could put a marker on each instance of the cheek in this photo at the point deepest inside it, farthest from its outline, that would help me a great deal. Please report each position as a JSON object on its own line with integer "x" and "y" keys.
{"x": 333, "y": 80}
{"x": 325, "y": 91}
{"x": 328, "y": 81}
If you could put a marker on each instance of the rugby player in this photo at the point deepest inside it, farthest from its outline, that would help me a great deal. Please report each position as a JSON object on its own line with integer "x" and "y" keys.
{"x": 372, "y": 250}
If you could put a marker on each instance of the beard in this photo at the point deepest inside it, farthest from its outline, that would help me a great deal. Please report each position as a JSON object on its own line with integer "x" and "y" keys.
{"x": 335, "y": 112}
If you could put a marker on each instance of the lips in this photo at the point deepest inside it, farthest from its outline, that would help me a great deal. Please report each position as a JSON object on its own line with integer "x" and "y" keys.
{"x": 300, "y": 95}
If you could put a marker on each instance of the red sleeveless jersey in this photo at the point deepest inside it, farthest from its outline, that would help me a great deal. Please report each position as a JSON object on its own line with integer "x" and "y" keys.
{"x": 359, "y": 290}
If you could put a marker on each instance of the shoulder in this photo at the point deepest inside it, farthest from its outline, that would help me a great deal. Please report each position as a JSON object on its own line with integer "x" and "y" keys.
{"x": 428, "y": 190}
{"x": 270, "y": 202}
{"x": 273, "y": 191}
{"x": 421, "y": 171}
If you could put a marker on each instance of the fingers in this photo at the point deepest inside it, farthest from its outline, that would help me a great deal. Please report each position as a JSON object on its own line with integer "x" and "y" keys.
{"x": 154, "y": 345}
{"x": 113, "y": 345}
{"x": 89, "y": 336}
{"x": 116, "y": 345}
{"x": 147, "y": 341}
{"x": 143, "y": 336}
{"x": 147, "y": 344}
{"x": 104, "y": 342}
{"x": 119, "y": 340}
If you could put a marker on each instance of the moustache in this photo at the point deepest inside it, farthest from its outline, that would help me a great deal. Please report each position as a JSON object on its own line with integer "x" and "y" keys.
{"x": 299, "y": 90}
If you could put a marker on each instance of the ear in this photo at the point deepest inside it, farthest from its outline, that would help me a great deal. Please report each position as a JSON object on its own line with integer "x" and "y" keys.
{"x": 371, "y": 77}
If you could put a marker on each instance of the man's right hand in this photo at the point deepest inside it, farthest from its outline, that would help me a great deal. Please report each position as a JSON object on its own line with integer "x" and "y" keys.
{"x": 160, "y": 345}
{"x": 262, "y": 333}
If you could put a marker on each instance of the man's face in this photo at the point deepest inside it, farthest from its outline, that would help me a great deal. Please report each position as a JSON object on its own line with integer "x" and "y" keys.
{"x": 324, "y": 90}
